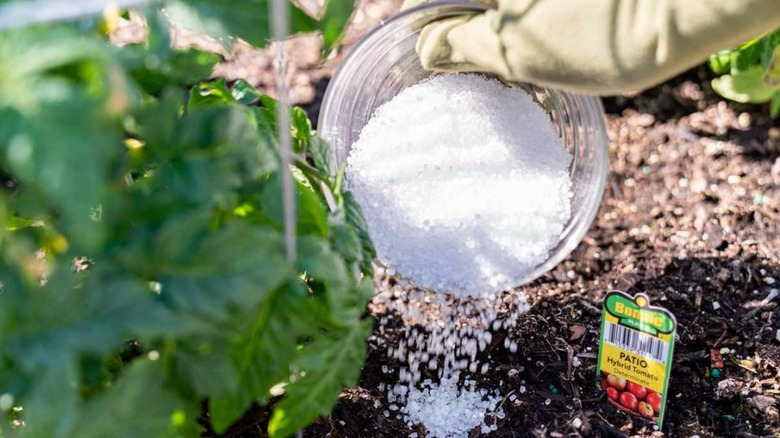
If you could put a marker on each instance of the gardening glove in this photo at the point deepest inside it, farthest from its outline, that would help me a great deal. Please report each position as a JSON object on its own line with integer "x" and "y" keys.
{"x": 592, "y": 46}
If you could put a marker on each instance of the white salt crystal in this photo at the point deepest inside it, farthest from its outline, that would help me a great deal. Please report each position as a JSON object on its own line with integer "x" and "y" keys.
{"x": 464, "y": 184}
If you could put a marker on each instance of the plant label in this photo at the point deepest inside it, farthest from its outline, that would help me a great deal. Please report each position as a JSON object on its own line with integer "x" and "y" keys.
{"x": 635, "y": 354}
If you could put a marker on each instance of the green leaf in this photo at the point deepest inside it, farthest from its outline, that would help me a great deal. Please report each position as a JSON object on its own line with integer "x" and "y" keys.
{"x": 319, "y": 262}
{"x": 51, "y": 407}
{"x": 138, "y": 405}
{"x": 746, "y": 57}
{"x": 301, "y": 130}
{"x": 774, "y": 105}
{"x": 772, "y": 74}
{"x": 60, "y": 99}
{"x": 311, "y": 215}
{"x": 219, "y": 93}
{"x": 262, "y": 349}
{"x": 334, "y": 21}
{"x": 204, "y": 366}
{"x": 331, "y": 363}
{"x": 354, "y": 217}
{"x": 245, "y": 19}
{"x": 14, "y": 223}
{"x": 321, "y": 156}
{"x": 209, "y": 272}
{"x": 769, "y": 43}
{"x": 214, "y": 93}
{"x": 744, "y": 87}
{"x": 245, "y": 93}
{"x": 720, "y": 62}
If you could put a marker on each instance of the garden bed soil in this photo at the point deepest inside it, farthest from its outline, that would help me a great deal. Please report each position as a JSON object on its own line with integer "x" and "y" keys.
{"x": 691, "y": 217}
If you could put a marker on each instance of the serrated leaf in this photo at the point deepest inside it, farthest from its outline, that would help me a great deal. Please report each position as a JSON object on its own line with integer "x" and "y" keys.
{"x": 246, "y": 19}
{"x": 744, "y": 87}
{"x": 331, "y": 363}
{"x": 262, "y": 350}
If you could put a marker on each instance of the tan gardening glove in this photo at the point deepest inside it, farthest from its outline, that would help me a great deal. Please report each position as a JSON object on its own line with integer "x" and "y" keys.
{"x": 592, "y": 46}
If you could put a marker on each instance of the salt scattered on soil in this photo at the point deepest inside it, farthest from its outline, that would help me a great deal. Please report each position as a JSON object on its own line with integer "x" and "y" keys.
{"x": 464, "y": 184}
{"x": 439, "y": 339}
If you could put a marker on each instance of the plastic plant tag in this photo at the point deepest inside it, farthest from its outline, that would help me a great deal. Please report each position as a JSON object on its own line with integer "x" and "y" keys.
{"x": 635, "y": 354}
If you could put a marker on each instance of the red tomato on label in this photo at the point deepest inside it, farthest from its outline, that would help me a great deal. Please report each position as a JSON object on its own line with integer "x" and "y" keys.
{"x": 645, "y": 409}
{"x": 603, "y": 384}
{"x": 638, "y": 390}
{"x": 612, "y": 394}
{"x": 628, "y": 400}
{"x": 654, "y": 399}
{"x": 616, "y": 382}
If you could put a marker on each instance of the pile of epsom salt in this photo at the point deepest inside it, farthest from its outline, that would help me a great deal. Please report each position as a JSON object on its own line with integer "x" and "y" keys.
{"x": 464, "y": 184}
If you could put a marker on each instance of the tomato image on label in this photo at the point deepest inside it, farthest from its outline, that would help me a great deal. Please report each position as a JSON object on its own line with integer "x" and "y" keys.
{"x": 638, "y": 390}
{"x": 630, "y": 397}
{"x": 616, "y": 382}
{"x": 654, "y": 399}
{"x": 628, "y": 400}
{"x": 645, "y": 409}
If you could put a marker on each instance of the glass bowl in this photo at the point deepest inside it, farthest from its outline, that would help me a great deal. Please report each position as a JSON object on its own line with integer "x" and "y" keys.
{"x": 385, "y": 62}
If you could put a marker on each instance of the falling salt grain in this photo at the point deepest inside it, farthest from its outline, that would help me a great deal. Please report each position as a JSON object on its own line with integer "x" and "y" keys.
{"x": 466, "y": 193}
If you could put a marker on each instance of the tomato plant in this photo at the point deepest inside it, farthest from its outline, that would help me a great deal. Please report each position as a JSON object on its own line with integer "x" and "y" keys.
{"x": 142, "y": 262}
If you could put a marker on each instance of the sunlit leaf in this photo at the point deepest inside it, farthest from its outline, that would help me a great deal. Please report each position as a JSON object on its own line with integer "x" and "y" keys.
{"x": 744, "y": 87}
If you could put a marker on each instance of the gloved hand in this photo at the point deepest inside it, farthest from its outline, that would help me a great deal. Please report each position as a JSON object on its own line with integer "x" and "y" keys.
{"x": 592, "y": 46}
